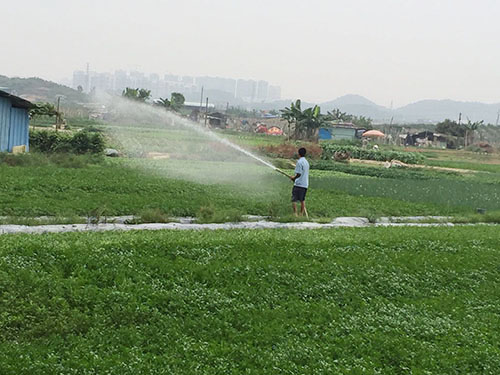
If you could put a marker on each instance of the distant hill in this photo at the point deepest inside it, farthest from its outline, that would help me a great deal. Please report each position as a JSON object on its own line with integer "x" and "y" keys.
{"x": 359, "y": 106}
{"x": 438, "y": 110}
{"x": 39, "y": 90}
{"x": 421, "y": 111}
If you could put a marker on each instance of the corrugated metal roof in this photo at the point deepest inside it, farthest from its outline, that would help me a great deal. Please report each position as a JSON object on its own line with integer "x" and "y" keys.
{"x": 16, "y": 100}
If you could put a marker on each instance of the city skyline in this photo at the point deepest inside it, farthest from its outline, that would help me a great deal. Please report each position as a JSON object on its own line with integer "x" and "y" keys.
{"x": 220, "y": 89}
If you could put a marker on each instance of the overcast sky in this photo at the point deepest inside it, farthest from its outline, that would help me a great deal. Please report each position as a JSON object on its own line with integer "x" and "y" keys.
{"x": 317, "y": 50}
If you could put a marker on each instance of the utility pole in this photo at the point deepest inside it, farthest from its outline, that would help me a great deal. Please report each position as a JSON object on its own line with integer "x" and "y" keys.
{"x": 498, "y": 117}
{"x": 206, "y": 113}
{"x": 58, "y": 116}
{"x": 201, "y": 98}
{"x": 88, "y": 78}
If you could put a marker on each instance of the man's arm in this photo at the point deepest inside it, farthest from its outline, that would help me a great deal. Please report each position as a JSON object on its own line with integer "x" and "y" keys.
{"x": 298, "y": 169}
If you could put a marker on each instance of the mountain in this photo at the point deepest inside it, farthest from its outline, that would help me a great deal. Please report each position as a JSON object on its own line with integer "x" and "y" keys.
{"x": 39, "y": 90}
{"x": 438, "y": 110}
{"x": 423, "y": 111}
{"x": 359, "y": 106}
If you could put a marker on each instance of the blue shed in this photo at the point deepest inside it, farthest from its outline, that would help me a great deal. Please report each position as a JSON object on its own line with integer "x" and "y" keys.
{"x": 14, "y": 121}
{"x": 338, "y": 132}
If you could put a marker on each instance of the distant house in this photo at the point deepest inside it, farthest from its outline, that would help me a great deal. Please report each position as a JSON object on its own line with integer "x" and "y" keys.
{"x": 217, "y": 120}
{"x": 340, "y": 131}
{"x": 198, "y": 106}
{"x": 14, "y": 122}
{"x": 426, "y": 139}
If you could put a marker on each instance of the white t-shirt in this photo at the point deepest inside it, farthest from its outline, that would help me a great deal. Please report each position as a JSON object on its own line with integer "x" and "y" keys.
{"x": 302, "y": 167}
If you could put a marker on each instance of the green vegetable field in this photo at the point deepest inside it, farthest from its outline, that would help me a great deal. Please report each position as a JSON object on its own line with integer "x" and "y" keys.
{"x": 344, "y": 301}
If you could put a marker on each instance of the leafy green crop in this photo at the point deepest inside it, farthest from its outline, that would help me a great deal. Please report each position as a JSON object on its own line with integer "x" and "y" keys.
{"x": 340, "y": 301}
{"x": 329, "y": 149}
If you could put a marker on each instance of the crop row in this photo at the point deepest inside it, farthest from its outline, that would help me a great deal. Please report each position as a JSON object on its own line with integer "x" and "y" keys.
{"x": 329, "y": 150}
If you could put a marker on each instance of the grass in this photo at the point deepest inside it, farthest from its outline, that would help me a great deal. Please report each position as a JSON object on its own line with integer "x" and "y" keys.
{"x": 349, "y": 301}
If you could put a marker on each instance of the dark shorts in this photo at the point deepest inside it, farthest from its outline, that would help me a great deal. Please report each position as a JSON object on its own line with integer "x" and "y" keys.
{"x": 299, "y": 194}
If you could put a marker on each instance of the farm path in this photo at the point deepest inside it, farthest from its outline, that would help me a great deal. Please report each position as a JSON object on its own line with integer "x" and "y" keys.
{"x": 261, "y": 224}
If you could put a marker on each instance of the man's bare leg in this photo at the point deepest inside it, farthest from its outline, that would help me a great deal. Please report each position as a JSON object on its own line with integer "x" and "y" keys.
{"x": 302, "y": 208}
{"x": 294, "y": 205}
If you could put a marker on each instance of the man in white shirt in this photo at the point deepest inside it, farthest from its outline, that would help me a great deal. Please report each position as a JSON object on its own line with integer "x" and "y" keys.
{"x": 300, "y": 183}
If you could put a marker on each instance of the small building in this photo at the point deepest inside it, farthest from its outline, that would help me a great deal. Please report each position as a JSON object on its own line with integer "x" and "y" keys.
{"x": 217, "y": 120}
{"x": 340, "y": 131}
{"x": 14, "y": 122}
{"x": 426, "y": 139}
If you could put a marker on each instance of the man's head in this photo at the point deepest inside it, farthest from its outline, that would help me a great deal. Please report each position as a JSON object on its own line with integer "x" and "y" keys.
{"x": 302, "y": 152}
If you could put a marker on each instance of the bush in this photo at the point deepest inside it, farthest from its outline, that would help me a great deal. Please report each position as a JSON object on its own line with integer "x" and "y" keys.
{"x": 82, "y": 142}
{"x": 330, "y": 149}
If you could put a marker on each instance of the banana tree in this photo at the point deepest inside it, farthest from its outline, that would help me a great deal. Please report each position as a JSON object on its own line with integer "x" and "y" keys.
{"x": 291, "y": 115}
{"x": 310, "y": 121}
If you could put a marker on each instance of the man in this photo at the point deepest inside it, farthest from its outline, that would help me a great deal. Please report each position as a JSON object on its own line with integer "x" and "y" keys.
{"x": 300, "y": 183}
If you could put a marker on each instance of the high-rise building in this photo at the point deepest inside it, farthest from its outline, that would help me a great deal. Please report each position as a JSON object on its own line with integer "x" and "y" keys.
{"x": 246, "y": 90}
{"x": 80, "y": 79}
{"x": 121, "y": 81}
{"x": 262, "y": 91}
{"x": 219, "y": 89}
{"x": 101, "y": 81}
{"x": 274, "y": 93}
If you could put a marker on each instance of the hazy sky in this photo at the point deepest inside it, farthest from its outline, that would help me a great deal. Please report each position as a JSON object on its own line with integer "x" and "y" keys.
{"x": 400, "y": 50}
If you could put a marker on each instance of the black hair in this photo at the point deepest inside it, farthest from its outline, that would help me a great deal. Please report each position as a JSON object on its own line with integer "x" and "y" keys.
{"x": 302, "y": 151}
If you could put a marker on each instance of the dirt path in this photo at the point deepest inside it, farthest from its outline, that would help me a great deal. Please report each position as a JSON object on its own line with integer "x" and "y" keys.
{"x": 421, "y": 166}
{"x": 341, "y": 222}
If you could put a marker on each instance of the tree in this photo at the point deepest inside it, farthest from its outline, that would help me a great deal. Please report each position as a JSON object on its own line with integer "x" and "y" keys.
{"x": 306, "y": 122}
{"x": 451, "y": 128}
{"x": 44, "y": 109}
{"x": 362, "y": 121}
{"x": 79, "y": 88}
{"x": 337, "y": 115}
{"x": 139, "y": 95}
{"x": 176, "y": 101}
{"x": 470, "y": 128}
{"x": 291, "y": 115}
{"x": 309, "y": 121}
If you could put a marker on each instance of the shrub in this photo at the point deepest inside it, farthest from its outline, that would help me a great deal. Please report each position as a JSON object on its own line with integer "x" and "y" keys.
{"x": 87, "y": 142}
{"x": 330, "y": 149}
{"x": 81, "y": 142}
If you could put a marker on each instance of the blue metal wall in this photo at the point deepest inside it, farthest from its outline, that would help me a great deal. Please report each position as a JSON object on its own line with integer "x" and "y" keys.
{"x": 5, "y": 107}
{"x": 14, "y": 123}
{"x": 19, "y": 123}
{"x": 324, "y": 134}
